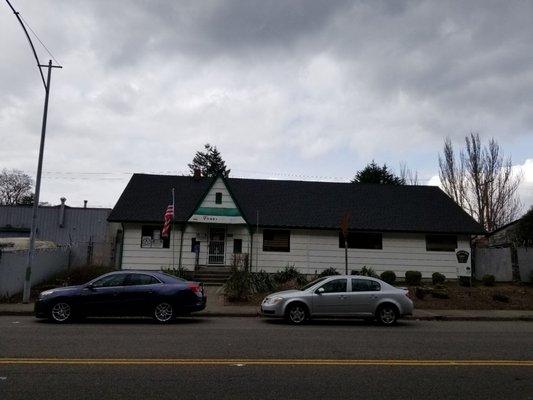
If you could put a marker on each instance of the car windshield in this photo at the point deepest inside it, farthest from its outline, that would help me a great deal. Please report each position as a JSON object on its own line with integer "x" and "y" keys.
{"x": 314, "y": 282}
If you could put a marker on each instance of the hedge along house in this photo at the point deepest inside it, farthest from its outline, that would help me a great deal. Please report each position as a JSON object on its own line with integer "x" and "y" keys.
{"x": 274, "y": 223}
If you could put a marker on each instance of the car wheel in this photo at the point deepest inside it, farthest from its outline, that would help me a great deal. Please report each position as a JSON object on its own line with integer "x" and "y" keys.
{"x": 61, "y": 312}
{"x": 163, "y": 312}
{"x": 297, "y": 314}
{"x": 387, "y": 314}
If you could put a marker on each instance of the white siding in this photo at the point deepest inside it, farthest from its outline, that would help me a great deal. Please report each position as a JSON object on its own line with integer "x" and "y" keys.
{"x": 136, "y": 257}
{"x": 220, "y": 187}
{"x": 311, "y": 251}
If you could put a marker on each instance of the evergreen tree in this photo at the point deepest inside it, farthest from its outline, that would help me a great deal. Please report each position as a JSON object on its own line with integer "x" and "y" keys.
{"x": 373, "y": 173}
{"x": 209, "y": 162}
{"x": 525, "y": 229}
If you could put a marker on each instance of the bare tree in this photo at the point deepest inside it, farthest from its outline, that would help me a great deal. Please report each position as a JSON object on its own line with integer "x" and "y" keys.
{"x": 15, "y": 187}
{"x": 481, "y": 181}
{"x": 408, "y": 176}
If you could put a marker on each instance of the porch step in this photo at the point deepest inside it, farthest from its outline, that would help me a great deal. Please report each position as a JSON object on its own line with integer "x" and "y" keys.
{"x": 212, "y": 275}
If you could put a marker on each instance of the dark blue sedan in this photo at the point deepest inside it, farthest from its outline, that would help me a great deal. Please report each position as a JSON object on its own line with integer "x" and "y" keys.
{"x": 123, "y": 293}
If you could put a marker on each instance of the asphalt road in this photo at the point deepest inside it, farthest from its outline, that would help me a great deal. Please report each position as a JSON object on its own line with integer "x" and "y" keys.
{"x": 251, "y": 358}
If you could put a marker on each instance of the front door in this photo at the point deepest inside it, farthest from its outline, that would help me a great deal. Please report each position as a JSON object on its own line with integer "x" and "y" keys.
{"x": 103, "y": 296}
{"x": 217, "y": 236}
{"x": 330, "y": 298}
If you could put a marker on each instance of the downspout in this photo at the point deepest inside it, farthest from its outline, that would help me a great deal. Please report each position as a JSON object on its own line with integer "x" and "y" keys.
{"x": 250, "y": 231}
{"x": 121, "y": 246}
{"x": 182, "y": 232}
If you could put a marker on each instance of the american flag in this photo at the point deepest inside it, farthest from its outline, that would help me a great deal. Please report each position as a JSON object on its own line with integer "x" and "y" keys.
{"x": 169, "y": 215}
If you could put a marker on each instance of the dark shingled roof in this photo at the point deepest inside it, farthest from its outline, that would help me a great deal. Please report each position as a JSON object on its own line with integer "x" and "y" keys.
{"x": 301, "y": 204}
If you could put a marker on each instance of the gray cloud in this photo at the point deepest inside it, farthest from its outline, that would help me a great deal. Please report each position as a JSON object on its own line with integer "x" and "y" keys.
{"x": 309, "y": 87}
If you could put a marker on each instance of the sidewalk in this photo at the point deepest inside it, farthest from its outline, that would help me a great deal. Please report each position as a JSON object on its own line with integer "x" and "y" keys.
{"x": 217, "y": 308}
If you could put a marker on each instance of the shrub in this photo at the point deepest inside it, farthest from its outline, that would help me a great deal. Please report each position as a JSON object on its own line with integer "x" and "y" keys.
{"x": 262, "y": 282}
{"x": 420, "y": 293}
{"x": 289, "y": 273}
{"x": 413, "y": 278}
{"x": 238, "y": 287}
{"x": 180, "y": 272}
{"x": 75, "y": 276}
{"x": 465, "y": 281}
{"x": 500, "y": 297}
{"x": 437, "y": 278}
{"x": 328, "y": 272}
{"x": 368, "y": 272}
{"x": 389, "y": 277}
{"x": 488, "y": 280}
{"x": 440, "y": 294}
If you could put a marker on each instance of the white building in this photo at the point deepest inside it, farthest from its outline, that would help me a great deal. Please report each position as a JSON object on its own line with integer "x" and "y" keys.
{"x": 274, "y": 223}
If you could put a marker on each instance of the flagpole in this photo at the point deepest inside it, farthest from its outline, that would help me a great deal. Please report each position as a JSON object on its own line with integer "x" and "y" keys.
{"x": 173, "y": 233}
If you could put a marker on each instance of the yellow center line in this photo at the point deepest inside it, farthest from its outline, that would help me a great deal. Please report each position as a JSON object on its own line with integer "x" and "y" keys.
{"x": 262, "y": 361}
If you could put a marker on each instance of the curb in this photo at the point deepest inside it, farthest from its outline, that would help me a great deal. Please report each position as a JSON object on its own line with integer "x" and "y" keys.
{"x": 469, "y": 318}
{"x": 257, "y": 314}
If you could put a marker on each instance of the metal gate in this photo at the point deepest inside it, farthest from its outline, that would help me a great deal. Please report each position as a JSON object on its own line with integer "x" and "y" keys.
{"x": 216, "y": 245}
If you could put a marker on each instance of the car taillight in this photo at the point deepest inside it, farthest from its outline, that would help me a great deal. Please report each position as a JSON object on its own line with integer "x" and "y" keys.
{"x": 196, "y": 288}
{"x": 408, "y": 294}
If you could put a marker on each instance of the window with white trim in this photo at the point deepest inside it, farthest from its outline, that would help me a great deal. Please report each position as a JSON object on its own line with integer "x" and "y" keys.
{"x": 151, "y": 237}
{"x": 441, "y": 242}
{"x": 276, "y": 240}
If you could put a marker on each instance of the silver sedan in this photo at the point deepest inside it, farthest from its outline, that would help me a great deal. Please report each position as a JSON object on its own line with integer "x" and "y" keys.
{"x": 340, "y": 296}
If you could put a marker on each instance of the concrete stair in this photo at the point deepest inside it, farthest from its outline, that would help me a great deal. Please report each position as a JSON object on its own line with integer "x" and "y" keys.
{"x": 209, "y": 275}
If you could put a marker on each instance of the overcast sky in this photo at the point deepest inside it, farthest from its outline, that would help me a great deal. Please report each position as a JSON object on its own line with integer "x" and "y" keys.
{"x": 284, "y": 89}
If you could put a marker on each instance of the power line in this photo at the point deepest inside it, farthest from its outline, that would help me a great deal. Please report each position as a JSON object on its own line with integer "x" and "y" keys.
{"x": 37, "y": 37}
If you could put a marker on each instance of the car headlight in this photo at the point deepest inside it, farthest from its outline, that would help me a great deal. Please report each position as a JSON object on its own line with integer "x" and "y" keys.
{"x": 46, "y": 293}
{"x": 273, "y": 300}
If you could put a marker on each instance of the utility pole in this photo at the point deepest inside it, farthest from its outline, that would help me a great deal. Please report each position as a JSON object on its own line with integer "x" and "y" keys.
{"x": 33, "y": 231}
{"x": 345, "y": 225}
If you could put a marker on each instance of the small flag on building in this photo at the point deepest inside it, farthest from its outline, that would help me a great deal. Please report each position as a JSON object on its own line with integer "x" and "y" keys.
{"x": 169, "y": 216}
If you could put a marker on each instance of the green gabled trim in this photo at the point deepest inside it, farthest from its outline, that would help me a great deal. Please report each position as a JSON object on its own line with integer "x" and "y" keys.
{"x": 234, "y": 200}
{"x": 226, "y": 212}
{"x": 199, "y": 202}
{"x": 241, "y": 214}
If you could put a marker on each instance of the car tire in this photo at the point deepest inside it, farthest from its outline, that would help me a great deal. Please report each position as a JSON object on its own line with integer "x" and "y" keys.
{"x": 61, "y": 312}
{"x": 297, "y": 314}
{"x": 387, "y": 314}
{"x": 163, "y": 312}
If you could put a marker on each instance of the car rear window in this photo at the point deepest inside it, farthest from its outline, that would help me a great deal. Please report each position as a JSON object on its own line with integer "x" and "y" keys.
{"x": 140, "y": 279}
{"x": 365, "y": 285}
{"x": 166, "y": 278}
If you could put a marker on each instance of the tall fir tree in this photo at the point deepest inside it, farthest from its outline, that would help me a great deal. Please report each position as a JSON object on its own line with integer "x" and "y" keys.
{"x": 209, "y": 162}
{"x": 373, "y": 173}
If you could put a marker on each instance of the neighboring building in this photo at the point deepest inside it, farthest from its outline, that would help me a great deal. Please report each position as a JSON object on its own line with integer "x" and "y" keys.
{"x": 500, "y": 253}
{"x": 504, "y": 236}
{"x": 274, "y": 223}
{"x": 85, "y": 231}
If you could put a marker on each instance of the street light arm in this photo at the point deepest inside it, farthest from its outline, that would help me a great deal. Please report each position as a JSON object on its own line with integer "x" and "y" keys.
{"x": 31, "y": 43}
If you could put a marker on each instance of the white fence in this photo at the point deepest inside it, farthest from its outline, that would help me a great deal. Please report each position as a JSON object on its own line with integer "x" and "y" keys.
{"x": 13, "y": 268}
{"x": 499, "y": 262}
{"x": 494, "y": 261}
{"x": 525, "y": 263}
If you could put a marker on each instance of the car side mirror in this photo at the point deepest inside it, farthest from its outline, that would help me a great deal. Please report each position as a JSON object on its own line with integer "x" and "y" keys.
{"x": 320, "y": 290}
{"x": 90, "y": 286}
